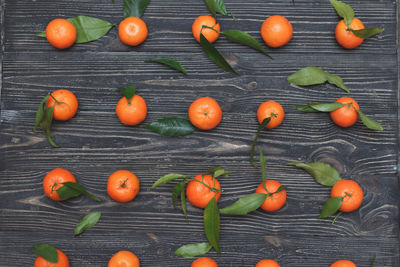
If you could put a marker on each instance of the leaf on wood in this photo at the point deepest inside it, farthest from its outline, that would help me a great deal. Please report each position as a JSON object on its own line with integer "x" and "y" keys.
{"x": 171, "y": 126}
{"x": 370, "y": 123}
{"x": 89, "y": 29}
{"x": 193, "y": 250}
{"x": 172, "y": 63}
{"x": 245, "y": 204}
{"x": 323, "y": 173}
{"x": 167, "y": 178}
{"x": 87, "y": 222}
{"x": 343, "y": 10}
{"x": 244, "y": 38}
{"x": 134, "y": 8}
{"x": 320, "y": 107}
{"x": 366, "y": 33}
{"x": 211, "y": 224}
{"x": 330, "y": 207}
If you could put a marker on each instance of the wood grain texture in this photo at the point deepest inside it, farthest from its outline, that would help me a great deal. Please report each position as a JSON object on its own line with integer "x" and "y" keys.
{"x": 94, "y": 143}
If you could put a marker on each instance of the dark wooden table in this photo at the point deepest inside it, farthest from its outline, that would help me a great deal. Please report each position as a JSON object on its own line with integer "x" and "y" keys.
{"x": 94, "y": 143}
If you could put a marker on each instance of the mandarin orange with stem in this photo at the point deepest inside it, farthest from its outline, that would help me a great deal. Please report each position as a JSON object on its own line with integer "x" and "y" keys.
{"x": 202, "y": 189}
{"x": 53, "y": 181}
{"x": 205, "y": 113}
{"x": 123, "y": 186}
{"x": 132, "y": 111}
{"x": 61, "y": 33}
{"x": 275, "y": 200}
{"x": 345, "y": 37}
{"x": 276, "y": 31}
{"x": 132, "y": 31}
{"x": 62, "y": 261}
{"x": 271, "y": 109}
{"x": 210, "y": 34}
{"x": 347, "y": 115}
{"x": 351, "y": 192}
{"x": 65, "y": 104}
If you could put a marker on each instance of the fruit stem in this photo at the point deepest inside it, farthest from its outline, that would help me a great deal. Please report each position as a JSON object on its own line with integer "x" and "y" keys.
{"x": 123, "y": 185}
{"x": 208, "y": 27}
{"x": 336, "y": 217}
{"x": 58, "y": 102}
{"x": 206, "y": 185}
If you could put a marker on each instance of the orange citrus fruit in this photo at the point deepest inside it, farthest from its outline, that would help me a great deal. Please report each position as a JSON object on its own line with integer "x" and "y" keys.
{"x": 132, "y": 31}
{"x": 124, "y": 258}
{"x": 205, "y": 113}
{"x": 345, "y": 37}
{"x": 351, "y": 192}
{"x": 274, "y": 201}
{"x": 198, "y": 194}
{"x": 131, "y": 112}
{"x": 343, "y": 263}
{"x": 65, "y": 104}
{"x": 53, "y": 181}
{"x": 267, "y": 263}
{"x": 210, "y": 34}
{"x": 123, "y": 186}
{"x": 61, "y": 33}
{"x": 271, "y": 109}
{"x": 204, "y": 262}
{"x": 62, "y": 261}
{"x": 347, "y": 115}
{"x": 276, "y": 31}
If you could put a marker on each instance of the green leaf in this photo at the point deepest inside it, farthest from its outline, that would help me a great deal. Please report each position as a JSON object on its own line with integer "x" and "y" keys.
{"x": 89, "y": 29}
{"x": 366, "y": 33}
{"x": 46, "y": 251}
{"x": 220, "y": 7}
{"x": 46, "y": 122}
{"x": 128, "y": 92}
{"x": 183, "y": 203}
{"x": 370, "y": 123}
{"x": 214, "y": 54}
{"x": 176, "y": 192}
{"x": 322, "y": 107}
{"x": 171, "y": 126}
{"x": 244, "y": 38}
{"x": 253, "y": 145}
{"x": 262, "y": 165}
{"x": 88, "y": 221}
{"x": 343, "y": 10}
{"x": 41, "y": 34}
{"x": 373, "y": 261}
{"x": 211, "y": 224}
{"x": 211, "y": 6}
{"x": 75, "y": 190}
{"x": 167, "y": 178}
{"x": 330, "y": 207}
{"x": 134, "y": 8}
{"x": 65, "y": 193}
{"x": 40, "y": 112}
{"x": 245, "y": 204}
{"x": 313, "y": 75}
{"x": 218, "y": 171}
{"x": 193, "y": 250}
{"x": 169, "y": 62}
{"x": 323, "y": 173}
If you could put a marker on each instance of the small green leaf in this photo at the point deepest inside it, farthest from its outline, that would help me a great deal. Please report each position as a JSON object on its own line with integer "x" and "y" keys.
{"x": 176, "y": 192}
{"x": 46, "y": 251}
{"x": 211, "y": 6}
{"x": 323, "y": 173}
{"x": 40, "y": 112}
{"x": 171, "y": 126}
{"x": 322, "y": 107}
{"x": 373, "y": 261}
{"x": 193, "y": 250}
{"x": 128, "y": 92}
{"x": 76, "y": 190}
{"x": 218, "y": 171}
{"x": 313, "y": 75}
{"x": 211, "y": 223}
{"x": 245, "y": 204}
{"x": 167, "y": 178}
{"x": 41, "y": 34}
{"x": 220, "y": 7}
{"x": 330, "y": 207}
{"x": 64, "y": 192}
{"x": 169, "y": 62}
{"x": 366, "y": 33}
{"x": 343, "y": 10}
{"x": 370, "y": 123}
{"x": 88, "y": 221}
{"x": 214, "y": 54}
{"x": 183, "y": 203}
{"x": 89, "y": 29}
{"x": 253, "y": 145}
{"x": 244, "y": 38}
{"x": 46, "y": 123}
{"x": 134, "y": 8}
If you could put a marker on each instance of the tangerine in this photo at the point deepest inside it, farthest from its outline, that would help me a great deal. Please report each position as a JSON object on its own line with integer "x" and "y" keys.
{"x": 274, "y": 201}
{"x": 210, "y": 34}
{"x": 123, "y": 186}
{"x": 53, "y": 181}
{"x": 132, "y": 31}
{"x": 205, "y": 113}
{"x": 204, "y": 262}
{"x": 267, "y": 263}
{"x": 199, "y": 194}
{"x": 347, "y": 115}
{"x": 61, "y": 33}
{"x": 276, "y": 31}
{"x": 343, "y": 263}
{"x": 271, "y": 109}
{"x": 124, "y": 258}
{"x": 133, "y": 111}
{"x": 62, "y": 261}
{"x": 345, "y": 37}
{"x": 351, "y": 192}
{"x": 65, "y": 104}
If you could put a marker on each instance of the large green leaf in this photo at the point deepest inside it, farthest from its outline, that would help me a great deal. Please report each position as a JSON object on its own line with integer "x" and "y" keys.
{"x": 134, "y": 8}
{"x": 88, "y": 221}
{"x": 71, "y": 189}
{"x": 366, "y": 33}
{"x": 314, "y": 75}
{"x": 89, "y": 29}
{"x": 320, "y": 107}
{"x": 193, "y": 250}
{"x": 167, "y": 178}
{"x": 176, "y": 192}
{"x": 330, "y": 207}
{"x": 171, "y": 126}
{"x": 244, "y": 38}
{"x": 211, "y": 224}
{"x": 245, "y": 204}
{"x": 46, "y": 122}
{"x": 40, "y": 112}
{"x": 46, "y": 251}
{"x": 214, "y": 54}
{"x": 343, "y": 10}
{"x": 370, "y": 123}
{"x": 172, "y": 63}
{"x": 323, "y": 173}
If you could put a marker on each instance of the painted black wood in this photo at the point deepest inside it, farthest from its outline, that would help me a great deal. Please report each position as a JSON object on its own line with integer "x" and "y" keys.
{"x": 94, "y": 143}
